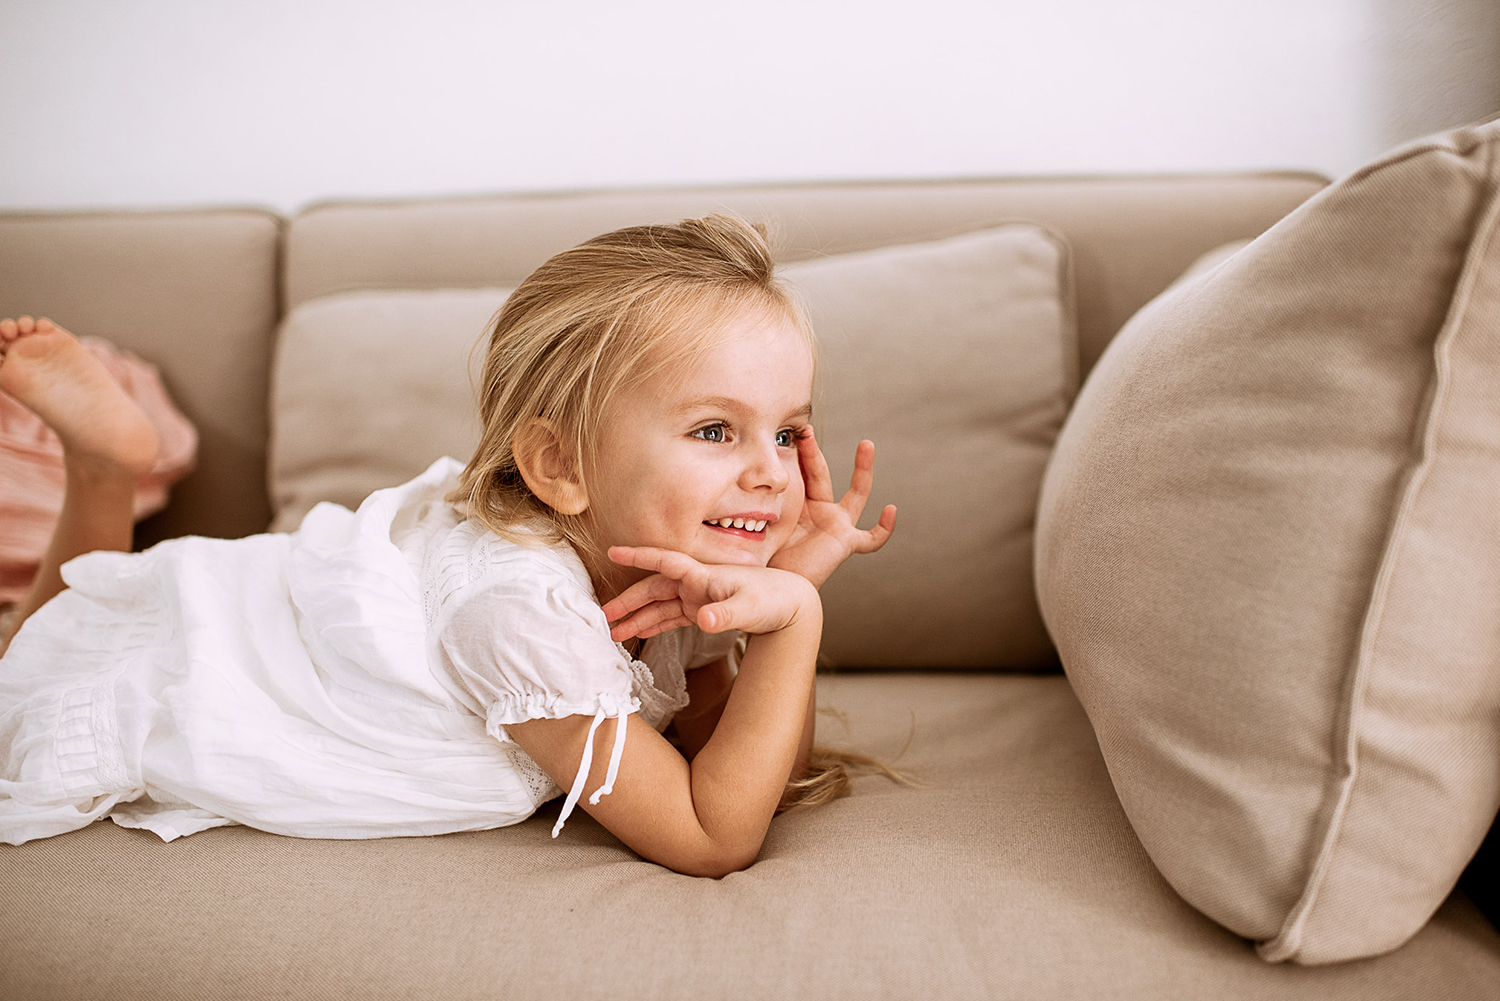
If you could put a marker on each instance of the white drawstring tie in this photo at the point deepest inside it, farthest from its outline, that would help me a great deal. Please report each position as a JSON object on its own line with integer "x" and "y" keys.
{"x": 584, "y": 766}
{"x": 614, "y": 763}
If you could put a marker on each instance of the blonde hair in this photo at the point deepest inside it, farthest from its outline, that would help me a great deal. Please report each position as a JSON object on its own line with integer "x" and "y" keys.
{"x": 830, "y": 775}
{"x": 622, "y": 307}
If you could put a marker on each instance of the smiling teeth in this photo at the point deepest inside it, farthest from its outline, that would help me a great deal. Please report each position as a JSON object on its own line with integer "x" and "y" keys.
{"x": 747, "y": 525}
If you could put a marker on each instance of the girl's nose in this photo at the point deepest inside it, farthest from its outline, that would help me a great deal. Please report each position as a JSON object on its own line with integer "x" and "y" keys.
{"x": 766, "y": 469}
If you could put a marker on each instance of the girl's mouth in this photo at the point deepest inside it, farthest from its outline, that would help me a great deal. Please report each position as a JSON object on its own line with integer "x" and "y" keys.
{"x": 748, "y": 528}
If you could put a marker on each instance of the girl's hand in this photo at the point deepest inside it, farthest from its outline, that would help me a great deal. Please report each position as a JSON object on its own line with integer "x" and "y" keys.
{"x": 827, "y": 533}
{"x": 714, "y": 597}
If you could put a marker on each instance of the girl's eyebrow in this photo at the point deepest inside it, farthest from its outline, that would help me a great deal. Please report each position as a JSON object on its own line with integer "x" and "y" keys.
{"x": 729, "y": 403}
{"x": 803, "y": 413}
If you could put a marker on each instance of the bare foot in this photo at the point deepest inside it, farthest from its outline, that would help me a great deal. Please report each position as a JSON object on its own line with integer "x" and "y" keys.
{"x": 103, "y": 432}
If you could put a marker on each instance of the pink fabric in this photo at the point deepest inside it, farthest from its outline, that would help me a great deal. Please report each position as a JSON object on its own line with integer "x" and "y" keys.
{"x": 31, "y": 467}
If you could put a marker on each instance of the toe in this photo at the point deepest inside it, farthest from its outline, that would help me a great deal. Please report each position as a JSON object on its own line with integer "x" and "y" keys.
{"x": 8, "y": 329}
{"x": 25, "y": 324}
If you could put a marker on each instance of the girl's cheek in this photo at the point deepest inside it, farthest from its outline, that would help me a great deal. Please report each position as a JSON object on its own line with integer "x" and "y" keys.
{"x": 791, "y": 513}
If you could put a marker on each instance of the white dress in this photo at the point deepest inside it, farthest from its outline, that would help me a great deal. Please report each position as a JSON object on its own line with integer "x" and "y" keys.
{"x": 353, "y": 679}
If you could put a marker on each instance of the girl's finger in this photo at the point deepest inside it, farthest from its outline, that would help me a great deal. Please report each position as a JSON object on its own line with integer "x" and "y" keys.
{"x": 666, "y": 625}
{"x": 719, "y": 617}
{"x": 648, "y": 621}
{"x": 744, "y": 609}
{"x": 861, "y": 482}
{"x": 638, "y": 595}
{"x": 817, "y": 481}
{"x": 663, "y": 561}
{"x": 876, "y": 537}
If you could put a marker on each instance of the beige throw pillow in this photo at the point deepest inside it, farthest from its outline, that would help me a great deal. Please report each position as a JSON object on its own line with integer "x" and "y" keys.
{"x": 958, "y": 358}
{"x": 368, "y": 388}
{"x": 1269, "y": 553}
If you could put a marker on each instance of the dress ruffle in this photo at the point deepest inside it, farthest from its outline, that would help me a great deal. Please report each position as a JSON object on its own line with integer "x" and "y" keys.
{"x": 511, "y": 709}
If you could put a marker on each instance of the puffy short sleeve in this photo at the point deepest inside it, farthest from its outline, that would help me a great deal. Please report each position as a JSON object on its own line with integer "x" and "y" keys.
{"x": 528, "y": 642}
{"x": 522, "y": 636}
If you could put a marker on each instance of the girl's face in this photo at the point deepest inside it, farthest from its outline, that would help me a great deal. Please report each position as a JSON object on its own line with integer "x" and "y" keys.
{"x": 705, "y": 463}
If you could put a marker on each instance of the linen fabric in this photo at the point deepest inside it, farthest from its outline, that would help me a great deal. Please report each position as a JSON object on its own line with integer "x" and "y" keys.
{"x": 1268, "y": 554}
{"x": 957, "y": 357}
{"x": 32, "y": 480}
{"x": 351, "y": 680}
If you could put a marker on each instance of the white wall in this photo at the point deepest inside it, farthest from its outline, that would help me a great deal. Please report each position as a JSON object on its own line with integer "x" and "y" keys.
{"x": 280, "y": 102}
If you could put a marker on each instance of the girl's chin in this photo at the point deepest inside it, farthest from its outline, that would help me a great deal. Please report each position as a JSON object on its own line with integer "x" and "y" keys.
{"x": 734, "y": 545}
{"x": 735, "y": 557}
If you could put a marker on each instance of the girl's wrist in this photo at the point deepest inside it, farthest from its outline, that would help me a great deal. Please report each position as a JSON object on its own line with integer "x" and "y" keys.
{"x": 805, "y": 628}
{"x": 809, "y": 603}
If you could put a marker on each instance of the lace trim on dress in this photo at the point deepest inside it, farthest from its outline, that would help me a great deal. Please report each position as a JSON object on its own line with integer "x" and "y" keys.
{"x": 657, "y": 706}
{"x": 538, "y": 782}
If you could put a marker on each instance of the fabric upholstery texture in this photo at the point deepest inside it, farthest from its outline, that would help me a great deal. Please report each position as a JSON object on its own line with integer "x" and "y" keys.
{"x": 1268, "y": 553}
{"x": 368, "y": 388}
{"x": 1130, "y": 236}
{"x": 959, "y": 355}
{"x": 191, "y": 292}
{"x": 1011, "y": 873}
{"x": 959, "y": 359}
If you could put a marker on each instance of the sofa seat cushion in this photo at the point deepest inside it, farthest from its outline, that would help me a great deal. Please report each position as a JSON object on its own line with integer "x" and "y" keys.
{"x": 958, "y": 357}
{"x": 1269, "y": 554}
{"x": 1011, "y": 872}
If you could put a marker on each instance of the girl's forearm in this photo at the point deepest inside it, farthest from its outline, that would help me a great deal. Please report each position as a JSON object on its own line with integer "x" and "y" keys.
{"x": 708, "y": 689}
{"x": 763, "y": 734}
{"x": 804, "y": 749}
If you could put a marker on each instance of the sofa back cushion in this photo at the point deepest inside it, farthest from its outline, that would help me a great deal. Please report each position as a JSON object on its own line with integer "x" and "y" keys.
{"x": 1269, "y": 555}
{"x": 1130, "y": 236}
{"x": 191, "y": 292}
{"x": 368, "y": 388}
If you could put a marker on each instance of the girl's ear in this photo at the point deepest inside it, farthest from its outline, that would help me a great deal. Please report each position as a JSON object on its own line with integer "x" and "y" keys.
{"x": 548, "y": 470}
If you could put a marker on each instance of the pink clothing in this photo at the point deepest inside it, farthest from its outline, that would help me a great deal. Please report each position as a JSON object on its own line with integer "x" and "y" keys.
{"x": 31, "y": 467}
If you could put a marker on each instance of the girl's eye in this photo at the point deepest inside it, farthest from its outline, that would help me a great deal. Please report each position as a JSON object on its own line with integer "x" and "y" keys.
{"x": 713, "y": 432}
{"x": 786, "y": 438}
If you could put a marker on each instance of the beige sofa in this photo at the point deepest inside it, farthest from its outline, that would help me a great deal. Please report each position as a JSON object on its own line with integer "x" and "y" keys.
{"x": 1011, "y": 870}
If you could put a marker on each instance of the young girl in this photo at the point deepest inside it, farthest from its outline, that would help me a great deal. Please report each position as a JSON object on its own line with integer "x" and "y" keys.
{"x": 466, "y": 646}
